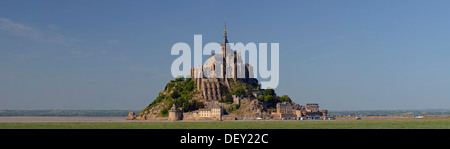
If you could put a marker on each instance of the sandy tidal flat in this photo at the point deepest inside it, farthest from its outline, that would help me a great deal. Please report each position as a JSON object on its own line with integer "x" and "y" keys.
{"x": 24, "y": 119}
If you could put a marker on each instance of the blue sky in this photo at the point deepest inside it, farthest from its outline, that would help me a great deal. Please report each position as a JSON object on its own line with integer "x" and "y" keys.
{"x": 344, "y": 55}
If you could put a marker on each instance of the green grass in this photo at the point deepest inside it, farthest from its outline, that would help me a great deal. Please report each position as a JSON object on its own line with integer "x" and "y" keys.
{"x": 319, "y": 124}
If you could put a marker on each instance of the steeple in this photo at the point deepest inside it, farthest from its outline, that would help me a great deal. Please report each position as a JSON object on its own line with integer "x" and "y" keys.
{"x": 225, "y": 40}
{"x": 224, "y": 51}
{"x": 225, "y": 29}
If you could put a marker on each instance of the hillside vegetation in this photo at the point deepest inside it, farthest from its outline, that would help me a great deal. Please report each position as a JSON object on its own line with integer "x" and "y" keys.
{"x": 181, "y": 92}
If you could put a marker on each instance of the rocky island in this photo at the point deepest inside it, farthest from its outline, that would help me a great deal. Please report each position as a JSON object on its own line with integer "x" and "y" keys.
{"x": 235, "y": 95}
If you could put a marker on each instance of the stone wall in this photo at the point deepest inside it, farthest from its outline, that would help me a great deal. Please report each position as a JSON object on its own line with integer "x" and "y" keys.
{"x": 190, "y": 116}
{"x": 228, "y": 118}
{"x": 211, "y": 89}
{"x": 175, "y": 115}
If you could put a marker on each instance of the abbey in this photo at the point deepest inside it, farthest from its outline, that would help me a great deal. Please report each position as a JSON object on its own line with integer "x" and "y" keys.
{"x": 225, "y": 62}
{"x": 214, "y": 73}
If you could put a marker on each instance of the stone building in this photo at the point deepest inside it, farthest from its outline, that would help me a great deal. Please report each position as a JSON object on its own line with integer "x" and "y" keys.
{"x": 257, "y": 93}
{"x": 214, "y": 112}
{"x": 284, "y": 107}
{"x": 288, "y": 110}
{"x": 204, "y": 112}
{"x": 220, "y": 66}
{"x": 285, "y": 110}
{"x": 236, "y": 99}
{"x": 175, "y": 114}
{"x": 312, "y": 109}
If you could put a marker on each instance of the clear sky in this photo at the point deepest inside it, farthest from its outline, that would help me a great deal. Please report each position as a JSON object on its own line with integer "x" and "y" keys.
{"x": 108, "y": 54}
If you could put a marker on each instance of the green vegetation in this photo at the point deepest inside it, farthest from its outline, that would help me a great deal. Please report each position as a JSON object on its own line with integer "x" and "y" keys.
{"x": 156, "y": 101}
{"x": 188, "y": 105}
{"x": 194, "y": 105}
{"x": 285, "y": 98}
{"x": 228, "y": 99}
{"x": 261, "y": 97}
{"x": 164, "y": 112}
{"x": 244, "y": 90}
{"x": 179, "y": 92}
{"x": 269, "y": 96}
{"x": 443, "y": 123}
{"x": 234, "y": 108}
{"x": 175, "y": 94}
{"x": 269, "y": 91}
{"x": 269, "y": 99}
{"x": 223, "y": 90}
{"x": 239, "y": 91}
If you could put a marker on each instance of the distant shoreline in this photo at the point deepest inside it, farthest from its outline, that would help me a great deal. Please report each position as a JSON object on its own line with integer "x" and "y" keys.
{"x": 66, "y": 113}
{"x": 59, "y": 119}
{"x": 124, "y": 113}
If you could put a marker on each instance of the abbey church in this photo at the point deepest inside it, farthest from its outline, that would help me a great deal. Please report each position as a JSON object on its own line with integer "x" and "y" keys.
{"x": 214, "y": 73}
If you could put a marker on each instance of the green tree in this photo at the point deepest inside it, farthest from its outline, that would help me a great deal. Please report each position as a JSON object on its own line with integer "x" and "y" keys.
{"x": 189, "y": 85}
{"x": 164, "y": 112}
{"x": 269, "y": 99}
{"x": 228, "y": 99}
{"x": 179, "y": 102}
{"x": 239, "y": 91}
{"x": 179, "y": 78}
{"x": 249, "y": 94}
{"x": 175, "y": 94}
{"x": 223, "y": 90}
{"x": 269, "y": 91}
{"x": 169, "y": 86}
{"x": 261, "y": 97}
{"x": 285, "y": 98}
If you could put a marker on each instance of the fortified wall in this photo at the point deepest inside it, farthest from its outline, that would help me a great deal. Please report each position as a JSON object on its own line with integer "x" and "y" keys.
{"x": 288, "y": 110}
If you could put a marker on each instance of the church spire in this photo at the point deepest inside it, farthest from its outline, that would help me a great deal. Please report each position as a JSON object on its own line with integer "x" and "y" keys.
{"x": 225, "y": 40}
{"x": 225, "y": 28}
{"x": 223, "y": 50}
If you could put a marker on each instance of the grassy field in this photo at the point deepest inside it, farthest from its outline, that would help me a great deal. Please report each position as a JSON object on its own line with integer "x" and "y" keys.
{"x": 319, "y": 124}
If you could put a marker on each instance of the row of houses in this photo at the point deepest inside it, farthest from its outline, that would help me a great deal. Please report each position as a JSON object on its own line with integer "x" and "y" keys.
{"x": 214, "y": 112}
